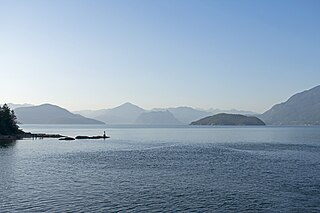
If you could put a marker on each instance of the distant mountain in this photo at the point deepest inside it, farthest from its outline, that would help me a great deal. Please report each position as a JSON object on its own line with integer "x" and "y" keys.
{"x": 14, "y": 106}
{"x": 229, "y": 119}
{"x": 50, "y": 114}
{"x": 124, "y": 114}
{"x": 128, "y": 113}
{"x": 157, "y": 118}
{"x": 90, "y": 113}
{"x": 231, "y": 111}
{"x": 187, "y": 114}
{"x": 300, "y": 109}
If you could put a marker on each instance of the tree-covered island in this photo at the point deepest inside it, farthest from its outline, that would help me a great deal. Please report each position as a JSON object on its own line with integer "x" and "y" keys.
{"x": 9, "y": 128}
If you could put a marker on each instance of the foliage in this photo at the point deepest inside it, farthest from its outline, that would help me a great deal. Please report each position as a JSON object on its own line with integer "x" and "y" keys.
{"x": 8, "y": 121}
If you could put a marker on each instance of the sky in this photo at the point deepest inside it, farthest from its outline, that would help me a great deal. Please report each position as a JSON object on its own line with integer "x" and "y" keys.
{"x": 92, "y": 54}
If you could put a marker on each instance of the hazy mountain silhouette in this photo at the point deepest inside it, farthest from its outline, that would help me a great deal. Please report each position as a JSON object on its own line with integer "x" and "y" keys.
{"x": 50, "y": 114}
{"x": 300, "y": 109}
{"x": 14, "y": 106}
{"x": 128, "y": 113}
{"x": 91, "y": 113}
{"x": 229, "y": 119}
{"x": 124, "y": 114}
{"x": 187, "y": 114}
{"x": 231, "y": 111}
{"x": 157, "y": 118}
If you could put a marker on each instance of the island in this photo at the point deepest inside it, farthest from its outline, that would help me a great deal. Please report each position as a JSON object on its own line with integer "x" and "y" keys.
{"x": 8, "y": 124}
{"x": 229, "y": 119}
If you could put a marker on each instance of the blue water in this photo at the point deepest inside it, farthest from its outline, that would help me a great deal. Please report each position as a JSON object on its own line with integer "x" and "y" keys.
{"x": 173, "y": 169}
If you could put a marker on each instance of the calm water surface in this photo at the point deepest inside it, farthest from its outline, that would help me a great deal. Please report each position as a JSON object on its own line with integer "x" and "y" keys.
{"x": 176, "y": 169}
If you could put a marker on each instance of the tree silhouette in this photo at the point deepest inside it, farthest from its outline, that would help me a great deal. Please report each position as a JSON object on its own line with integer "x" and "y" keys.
{"x": 8, "y": 121}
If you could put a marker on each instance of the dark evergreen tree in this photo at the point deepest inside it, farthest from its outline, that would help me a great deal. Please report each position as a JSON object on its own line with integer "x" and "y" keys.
{"x": 8, "y": 121}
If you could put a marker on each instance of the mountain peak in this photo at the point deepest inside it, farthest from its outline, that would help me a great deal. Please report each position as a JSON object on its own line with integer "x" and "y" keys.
{"x": 127, "y": 104}
{"x": 49, "y": 105}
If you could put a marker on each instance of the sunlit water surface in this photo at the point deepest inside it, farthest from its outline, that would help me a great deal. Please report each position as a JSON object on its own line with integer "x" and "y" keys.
{"x": 173, "y": 169}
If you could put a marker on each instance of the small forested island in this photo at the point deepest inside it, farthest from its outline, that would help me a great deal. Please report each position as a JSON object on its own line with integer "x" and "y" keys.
{"x": 8, "y": 124}
{"x": 229, "y": 119}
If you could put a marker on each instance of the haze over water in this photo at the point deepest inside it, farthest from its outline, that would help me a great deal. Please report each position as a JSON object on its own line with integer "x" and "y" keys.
{"x": 89, "y": 56}
{"x": 181, "y": 169}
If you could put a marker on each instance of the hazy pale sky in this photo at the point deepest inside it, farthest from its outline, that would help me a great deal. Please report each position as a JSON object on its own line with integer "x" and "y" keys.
{"x": 98, "y": 54}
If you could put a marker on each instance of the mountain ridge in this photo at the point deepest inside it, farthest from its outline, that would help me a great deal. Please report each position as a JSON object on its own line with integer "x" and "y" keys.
{"x": 50, "y": 114}
{"x": 125, "y": 113}
{"x": 302, "y": 108}
{"x": 118, "y": 114}
{"x": 157, "y": 118}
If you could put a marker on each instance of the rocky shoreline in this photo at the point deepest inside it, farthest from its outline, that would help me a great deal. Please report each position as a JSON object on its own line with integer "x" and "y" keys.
{"x": 44, "y": 135}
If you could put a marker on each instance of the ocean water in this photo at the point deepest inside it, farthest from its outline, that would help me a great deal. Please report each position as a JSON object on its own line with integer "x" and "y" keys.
{"x": 163, "y": 169}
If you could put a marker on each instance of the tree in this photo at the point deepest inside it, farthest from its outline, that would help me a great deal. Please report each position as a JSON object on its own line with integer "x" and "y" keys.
{"x": 8, "y": 121}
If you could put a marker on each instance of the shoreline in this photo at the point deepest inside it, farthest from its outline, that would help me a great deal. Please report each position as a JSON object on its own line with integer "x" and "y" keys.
{"x": 29, "y": 135}
{"x": 44, "y": 135}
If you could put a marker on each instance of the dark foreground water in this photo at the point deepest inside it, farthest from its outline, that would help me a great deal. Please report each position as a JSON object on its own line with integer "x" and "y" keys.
{"x": 260, "y": 169}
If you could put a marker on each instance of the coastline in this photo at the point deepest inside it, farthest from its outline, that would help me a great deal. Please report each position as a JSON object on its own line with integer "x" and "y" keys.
{"x": 44, "y": 135}
{"x": 29, "y": 135}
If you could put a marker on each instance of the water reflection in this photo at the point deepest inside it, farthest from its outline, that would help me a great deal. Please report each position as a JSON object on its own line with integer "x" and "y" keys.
{"x": 7, "y": 143}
